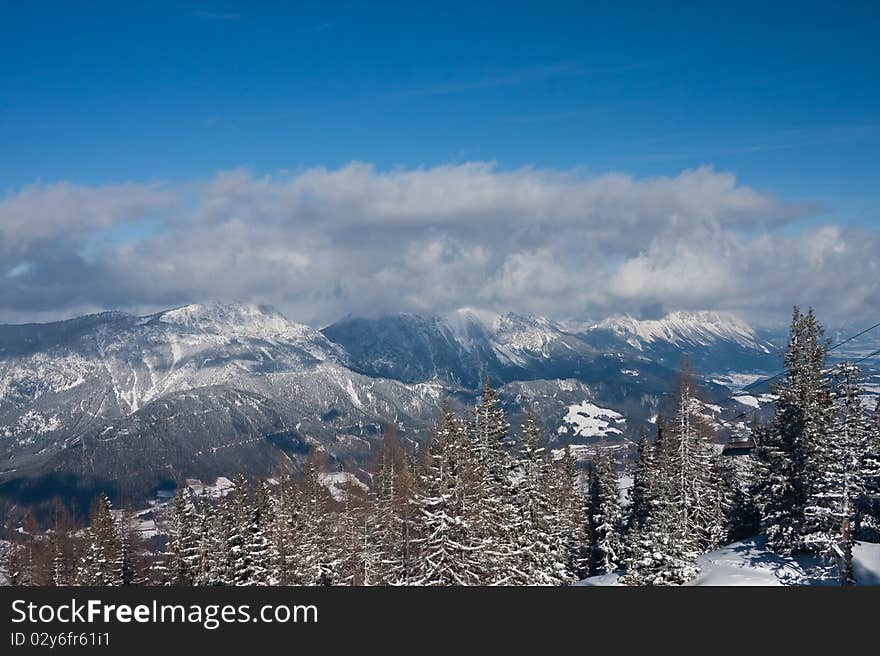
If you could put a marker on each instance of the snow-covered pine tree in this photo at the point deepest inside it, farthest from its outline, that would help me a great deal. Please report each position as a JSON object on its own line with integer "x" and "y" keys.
{"x": 692, "y": 484}
{"x": 209, "y": 569}
{"x": 721, "y": 495}
{"x": 498, "y": 513}
{"x": 641, "y": 493}
{"x": 869, "y": 515}
{"x": 605, "y": 515}
{"x": 657, "y": 553}
{"x": 182, "y": 548}
{"x": 240, "y": 568}
{"x": 261, "y": 549}
{"x": 540, "y": 559}
{"x": 789, "y": 453}
{"x": 572, "y": 519}
{"x": 287, "y": 531}
{"x": 99, "y": 564}
{"x": 450, "y": 546}
{"x": 836, "y": 492}
{"x": 318, "y": 557}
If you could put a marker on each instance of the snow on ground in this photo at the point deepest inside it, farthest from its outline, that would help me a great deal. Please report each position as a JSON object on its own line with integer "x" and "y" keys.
{"x": 584, "y": 452}
{"x": 337, "y": 483}
{"x": 737, "y": 381}
{"x": 624, "y": 483}
{"x": 221, "y": 487}
{"x": 747, "y": 399}
{"x": 749, "y": 562}
{"x": 589, "y": 420}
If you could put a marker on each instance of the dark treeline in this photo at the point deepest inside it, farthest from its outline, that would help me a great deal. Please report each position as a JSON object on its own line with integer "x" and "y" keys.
{"x": 480, "y": 504}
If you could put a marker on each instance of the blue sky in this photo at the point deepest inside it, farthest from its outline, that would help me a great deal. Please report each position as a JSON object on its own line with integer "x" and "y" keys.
{"x": 786, "y": 97}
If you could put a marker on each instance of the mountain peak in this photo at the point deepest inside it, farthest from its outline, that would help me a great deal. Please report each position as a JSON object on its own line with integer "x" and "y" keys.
{"x": 256, "y": 320}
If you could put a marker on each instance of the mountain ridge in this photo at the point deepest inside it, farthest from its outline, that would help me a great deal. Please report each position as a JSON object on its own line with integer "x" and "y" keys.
{"x": 201, "y": 389}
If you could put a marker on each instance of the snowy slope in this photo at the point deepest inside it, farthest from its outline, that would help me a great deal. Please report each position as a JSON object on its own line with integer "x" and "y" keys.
{"x": 749, "y": 562}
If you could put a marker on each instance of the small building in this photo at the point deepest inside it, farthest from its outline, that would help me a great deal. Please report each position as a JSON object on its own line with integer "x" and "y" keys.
{"x": 738, "y": 446}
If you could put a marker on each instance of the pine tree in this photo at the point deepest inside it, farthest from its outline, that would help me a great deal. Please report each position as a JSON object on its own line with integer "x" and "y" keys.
{"x": 540, "y": 559}
{"x": 605, "y": 515}
{"x": 257, "y": 531}
{"x": 641, "y": 493}
{"x": 450, "y": 544}
{"x": 659, "y": 551}
{"x": 182, "y": 548}
{"x": 209, "y": 563}
{"x": 572, "y": 520}
{"x": 691, "y": 483}
{"x": 839, "y": 485}
{"x": 63, "y": 546}
{"x": 318, "y": 559}
{"x": 497, "y": 496}
{"x": 790, "y": 453}
{"x": 287, "y": 531}
{"x": 868, "y": 516}
{"x": 99, "y": 565}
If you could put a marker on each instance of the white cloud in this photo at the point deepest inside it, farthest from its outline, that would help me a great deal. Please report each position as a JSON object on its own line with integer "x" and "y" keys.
{"x": 322, "y": 243}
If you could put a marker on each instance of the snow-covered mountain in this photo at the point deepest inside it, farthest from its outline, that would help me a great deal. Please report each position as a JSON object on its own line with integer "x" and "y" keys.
{"x": 130, "y": 404}
{"x": 461, "y": 348}
{"x": 715, "y": 341}
{"x": 683, "y": 328}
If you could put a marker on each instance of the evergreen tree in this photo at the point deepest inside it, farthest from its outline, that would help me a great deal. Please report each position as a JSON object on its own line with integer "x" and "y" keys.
{"x": 450, "y": 544}
{"x": 690, "y": 481}
{"x": 572, "y": 520}
{"x": 662, "y": 550}
{"x": 605, "y": 515}
{"x": 99, "y": 565}
{"x": 238, "y": 524}
{"x": 318, "y": 559}
{"x": 494, "y": 465}
{"x": 287, "y": 533}
{"x": 791, "y": 451}
{"x": 540, "y": 558}
{"x": 210, "y": 560}
{"x": 182, "y": 548}
{"x": 257, "y": 531}
{"x": 641, "y": 493}
{"x": 840, "y": 481}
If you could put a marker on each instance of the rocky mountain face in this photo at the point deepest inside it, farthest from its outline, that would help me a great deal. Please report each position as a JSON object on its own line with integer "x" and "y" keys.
{"x": 135, "y": 404}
